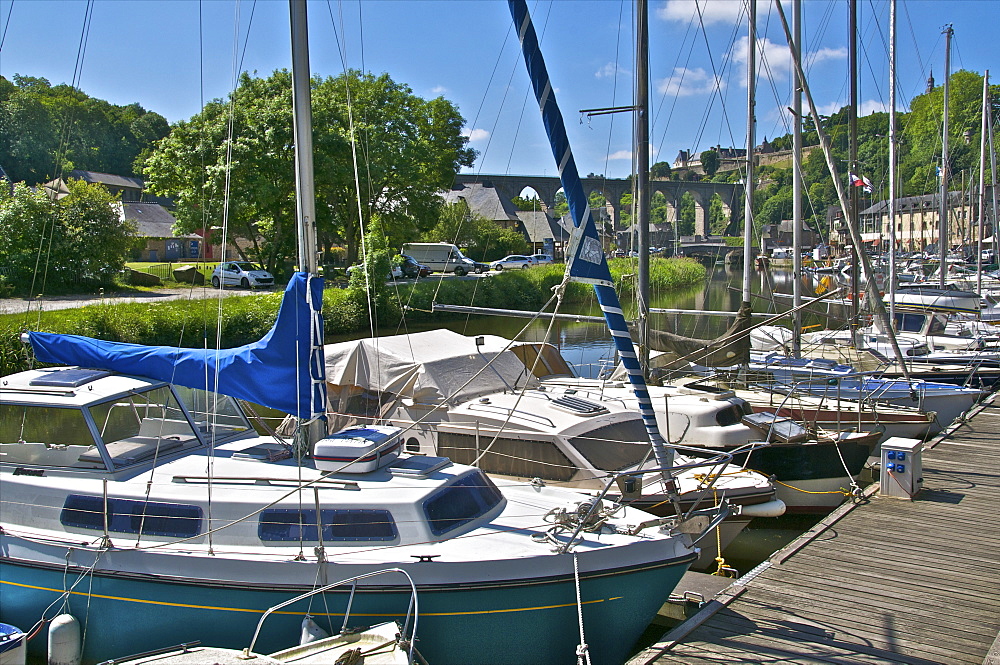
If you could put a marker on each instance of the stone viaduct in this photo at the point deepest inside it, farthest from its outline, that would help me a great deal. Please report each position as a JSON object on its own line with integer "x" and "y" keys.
{"x": 613, "y": 189}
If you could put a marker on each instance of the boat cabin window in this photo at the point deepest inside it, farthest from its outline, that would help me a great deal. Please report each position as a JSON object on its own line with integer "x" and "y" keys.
{"x": 937, "y": 325}
{"x": 130, "y": 516}
{"x": 355, "y": 524}
{"x": 615, "y": 446}
{"x": 214, "y": 414}
{"x": 44, "y": 436}
{"x": 466, "y": 499}
{"x": 139, "y": 427}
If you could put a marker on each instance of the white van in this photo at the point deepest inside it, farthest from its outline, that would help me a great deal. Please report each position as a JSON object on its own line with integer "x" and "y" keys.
{"x": 440, "y": 257}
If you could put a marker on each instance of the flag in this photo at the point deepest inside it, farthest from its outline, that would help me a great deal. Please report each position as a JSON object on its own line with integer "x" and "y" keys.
{"x": 863, "y": 181}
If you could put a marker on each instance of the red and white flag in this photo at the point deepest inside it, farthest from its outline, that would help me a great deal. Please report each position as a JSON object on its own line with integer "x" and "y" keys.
{"x": 863, "y": 181}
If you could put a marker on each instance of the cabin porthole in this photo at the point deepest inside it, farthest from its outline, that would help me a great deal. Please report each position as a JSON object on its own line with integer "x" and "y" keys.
{"x": 412, "y": 445}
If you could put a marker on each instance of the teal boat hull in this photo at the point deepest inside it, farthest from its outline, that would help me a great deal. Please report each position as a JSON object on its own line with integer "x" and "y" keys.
{"x": 504, "y": 622}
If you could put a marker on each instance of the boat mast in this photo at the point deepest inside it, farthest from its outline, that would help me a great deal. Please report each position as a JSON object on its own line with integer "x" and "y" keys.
{"x": 641, "y": 126}
{"x": 586, "y": 261}
{"x": 892, "y": 161}
{"x": 748, "y": 187}
{"x": 852, "y": 149}
{"x": 824, "y": 142}
{"x": 943, "y": 209}
{"x": 305, "y": 197}
{"x": 797, "y": 189}
{"x": 982, "y": 182}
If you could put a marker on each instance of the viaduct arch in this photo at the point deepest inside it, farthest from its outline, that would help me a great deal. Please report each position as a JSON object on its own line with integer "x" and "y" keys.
{"x": 613, "y": 189}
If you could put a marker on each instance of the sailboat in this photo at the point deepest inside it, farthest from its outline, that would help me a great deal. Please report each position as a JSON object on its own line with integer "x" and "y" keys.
{"x": 136, "y": 497}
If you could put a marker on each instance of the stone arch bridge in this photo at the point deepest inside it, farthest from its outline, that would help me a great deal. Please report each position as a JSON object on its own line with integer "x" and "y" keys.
{"x": 613, "y": 189}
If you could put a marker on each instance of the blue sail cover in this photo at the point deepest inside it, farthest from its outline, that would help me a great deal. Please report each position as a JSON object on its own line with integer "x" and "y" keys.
{"x": 586, "y": 261}
{"x": 281, "y": 371}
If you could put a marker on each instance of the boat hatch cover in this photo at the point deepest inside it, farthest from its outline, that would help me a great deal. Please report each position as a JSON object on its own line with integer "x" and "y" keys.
{"x": 580, "y": 406}
{"x": 418, "y": 466}
{"x": 69, "y": 378}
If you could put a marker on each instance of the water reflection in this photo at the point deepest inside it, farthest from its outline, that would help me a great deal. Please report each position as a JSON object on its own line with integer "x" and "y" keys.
{"x": 588, "y": 346}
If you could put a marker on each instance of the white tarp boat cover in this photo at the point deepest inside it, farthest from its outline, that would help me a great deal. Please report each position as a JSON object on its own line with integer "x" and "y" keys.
{"x": 425, "y": 366}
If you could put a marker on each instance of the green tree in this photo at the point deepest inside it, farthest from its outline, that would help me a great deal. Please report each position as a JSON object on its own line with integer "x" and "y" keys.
{"x": 47, "y": 130}
{"x": 710, "y": 162}
{"x": 660, "y": 171}
{"x": 79, "y": 240}
{"x": 526, "y": 204}
{"x": 407, "y": 148}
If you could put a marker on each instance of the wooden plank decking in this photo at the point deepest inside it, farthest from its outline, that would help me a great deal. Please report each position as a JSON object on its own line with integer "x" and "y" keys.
{"x": 885, "y": 581}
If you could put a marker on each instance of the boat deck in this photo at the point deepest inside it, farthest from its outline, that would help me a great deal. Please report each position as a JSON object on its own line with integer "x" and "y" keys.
{"x": 885, "y": 581}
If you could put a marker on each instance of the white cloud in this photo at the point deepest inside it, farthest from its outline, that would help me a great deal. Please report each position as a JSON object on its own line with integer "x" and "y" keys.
{"x": 475, "y": 134}
{"x": 685, "y": 82}
{"x": 611, "y": 70}
{"x": 712, "y": 11}
{"x": 824, "y": 54}
{"x": 621, "y": 154}
{"x": 439, "y": 90}
{"x": 774, "y": 62}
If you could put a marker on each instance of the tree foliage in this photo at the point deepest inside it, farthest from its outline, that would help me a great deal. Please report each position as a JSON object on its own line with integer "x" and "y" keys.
{"x": 406, "y": 149}
{"x": 48, "y": 130}
{"x": 710, "y": 162}
{"x": 77, "y": 240}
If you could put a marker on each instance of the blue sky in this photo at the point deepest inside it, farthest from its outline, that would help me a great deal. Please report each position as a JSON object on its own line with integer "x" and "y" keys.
{"x": 169, "y": 55}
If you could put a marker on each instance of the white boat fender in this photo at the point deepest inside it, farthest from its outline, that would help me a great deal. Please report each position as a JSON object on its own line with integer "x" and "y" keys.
{"x": 64, "y": 641}
{"x": 775, "y": 508}
{"x": 311, "y": 631}
{"x": 12, "y": 645}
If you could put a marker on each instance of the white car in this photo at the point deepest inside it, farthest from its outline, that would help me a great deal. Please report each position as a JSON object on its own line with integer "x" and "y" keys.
{"x": 512, "y": 261}
{"x": 395, "y": 271}
{"x": 241, "y": 273}
{"x": 541, "y": 259}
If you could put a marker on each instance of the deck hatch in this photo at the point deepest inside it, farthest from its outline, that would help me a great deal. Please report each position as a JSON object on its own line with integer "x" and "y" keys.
{"x": 579, "y": 405}
{"x": 69, "y": 378}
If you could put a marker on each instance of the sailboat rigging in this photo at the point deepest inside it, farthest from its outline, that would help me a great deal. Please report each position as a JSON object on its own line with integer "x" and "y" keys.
{"x": 107, "y": 512}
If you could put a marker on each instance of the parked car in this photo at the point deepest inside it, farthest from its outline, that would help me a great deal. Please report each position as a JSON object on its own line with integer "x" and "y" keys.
{"x": 480, "y": 268}
{"x": 412, "y": 268}
{"x": 241, "y": 273}
{"x": 512, "y": 261}
{"x": 540, "y": 259}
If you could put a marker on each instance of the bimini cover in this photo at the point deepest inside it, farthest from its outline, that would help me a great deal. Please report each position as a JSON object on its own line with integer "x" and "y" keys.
{"x": 426, "y": 366}
{"x": 278, "y": 371}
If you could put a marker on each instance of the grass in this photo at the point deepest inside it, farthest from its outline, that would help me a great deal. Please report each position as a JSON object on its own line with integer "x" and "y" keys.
{"x": 236, "y": 321}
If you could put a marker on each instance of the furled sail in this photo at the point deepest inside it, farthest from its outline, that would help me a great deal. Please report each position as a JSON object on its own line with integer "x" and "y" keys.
{"x": 281, "y": 371}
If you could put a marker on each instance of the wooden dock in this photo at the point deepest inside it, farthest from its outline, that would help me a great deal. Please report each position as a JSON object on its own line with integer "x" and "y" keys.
{"x": 888, "y": 580}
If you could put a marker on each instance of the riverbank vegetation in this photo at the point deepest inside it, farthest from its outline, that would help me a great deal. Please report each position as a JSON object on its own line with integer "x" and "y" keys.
{"x": 240, "y": 320}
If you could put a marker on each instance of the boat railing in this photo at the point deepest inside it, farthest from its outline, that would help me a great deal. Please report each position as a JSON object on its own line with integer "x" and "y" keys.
{"x": 412, "y": 612}
{"x": 633, "y": 478}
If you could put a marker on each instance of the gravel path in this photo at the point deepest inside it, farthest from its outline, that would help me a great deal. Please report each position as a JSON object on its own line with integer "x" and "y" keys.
{"x": 49, "y": 303}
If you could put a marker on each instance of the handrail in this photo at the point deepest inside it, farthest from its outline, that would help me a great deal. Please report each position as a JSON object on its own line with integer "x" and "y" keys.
{"x": 413, "y": 605}
{"x": 716, "y": 460}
